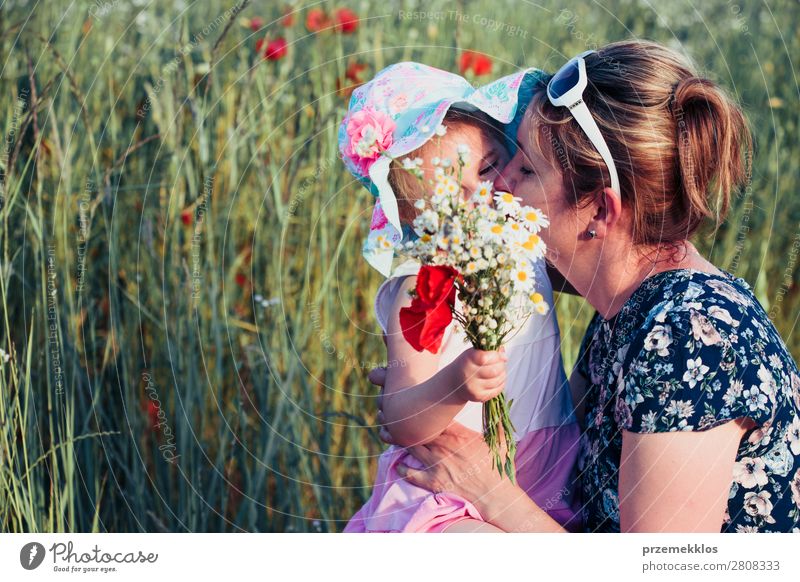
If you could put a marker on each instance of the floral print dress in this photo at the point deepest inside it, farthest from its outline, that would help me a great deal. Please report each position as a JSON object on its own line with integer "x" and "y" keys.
{"x": 687, "y": 352}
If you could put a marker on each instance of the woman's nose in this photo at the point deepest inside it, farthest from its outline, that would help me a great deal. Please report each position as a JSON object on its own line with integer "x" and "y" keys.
{"x": 502, "y": 184}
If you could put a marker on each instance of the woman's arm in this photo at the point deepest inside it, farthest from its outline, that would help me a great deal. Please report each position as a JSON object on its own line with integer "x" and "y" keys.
{"x": 678, "y": 481}
{"x": 419, "y": 401}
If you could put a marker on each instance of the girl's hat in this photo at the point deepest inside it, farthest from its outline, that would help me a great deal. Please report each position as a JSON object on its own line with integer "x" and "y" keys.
{"x": 397, "y": 112}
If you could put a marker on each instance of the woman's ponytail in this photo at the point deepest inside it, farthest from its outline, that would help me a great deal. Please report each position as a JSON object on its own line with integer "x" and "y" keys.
{"x": 711, "y": 137}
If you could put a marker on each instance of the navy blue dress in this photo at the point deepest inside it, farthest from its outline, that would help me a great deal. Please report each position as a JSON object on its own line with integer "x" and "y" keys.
{"x": 687, "y": 352}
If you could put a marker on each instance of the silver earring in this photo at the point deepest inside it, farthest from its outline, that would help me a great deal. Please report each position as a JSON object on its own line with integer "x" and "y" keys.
{"x": 592, "y": 233}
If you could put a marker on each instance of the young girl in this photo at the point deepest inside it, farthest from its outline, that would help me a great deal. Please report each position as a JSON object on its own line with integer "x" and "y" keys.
{"x": 406, "y": 116}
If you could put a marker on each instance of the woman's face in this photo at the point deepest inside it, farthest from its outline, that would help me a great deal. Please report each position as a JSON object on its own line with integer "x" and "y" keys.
{"x": 531, "y": 177}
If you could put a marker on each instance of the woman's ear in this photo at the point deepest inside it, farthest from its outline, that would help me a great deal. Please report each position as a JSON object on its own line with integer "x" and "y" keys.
{"x": 608, "y": 211}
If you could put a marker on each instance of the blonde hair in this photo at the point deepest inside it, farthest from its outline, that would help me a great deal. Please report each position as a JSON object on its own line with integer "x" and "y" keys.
{"x": 680, "y": 144}
{"x": 407, "y": 187}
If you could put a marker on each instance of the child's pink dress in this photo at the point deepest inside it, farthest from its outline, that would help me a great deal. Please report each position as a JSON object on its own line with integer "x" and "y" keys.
{"x": 547, "y": 434}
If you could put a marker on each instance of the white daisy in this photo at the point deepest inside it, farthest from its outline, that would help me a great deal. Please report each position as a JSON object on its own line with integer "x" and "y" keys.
{"x": 533, "y": 218}
{"x": 483, "y": 193}
{"x": 507, "y": 203}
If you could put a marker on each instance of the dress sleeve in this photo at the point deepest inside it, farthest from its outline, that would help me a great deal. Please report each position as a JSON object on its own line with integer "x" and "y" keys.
{"x": 387, "y": 292}
{"x": 691, "y": 372}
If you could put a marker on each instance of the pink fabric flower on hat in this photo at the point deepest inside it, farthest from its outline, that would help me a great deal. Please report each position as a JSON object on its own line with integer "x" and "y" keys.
{"x": 369, "y": 133}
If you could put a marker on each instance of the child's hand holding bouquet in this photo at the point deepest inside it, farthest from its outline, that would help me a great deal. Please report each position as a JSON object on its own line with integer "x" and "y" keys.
{"x": 483, "y": 246}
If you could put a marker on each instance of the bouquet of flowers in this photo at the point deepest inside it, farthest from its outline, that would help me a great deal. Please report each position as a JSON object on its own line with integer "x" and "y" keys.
{"x": 483, "y": 246}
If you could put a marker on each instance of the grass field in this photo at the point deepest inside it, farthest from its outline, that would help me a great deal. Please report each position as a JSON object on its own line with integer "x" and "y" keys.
{"x": 187, "y": 321}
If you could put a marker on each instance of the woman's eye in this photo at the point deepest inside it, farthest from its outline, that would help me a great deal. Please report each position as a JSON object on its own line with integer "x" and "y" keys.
{"x": 526, "y": 171}
{"x": 488, "y": 168}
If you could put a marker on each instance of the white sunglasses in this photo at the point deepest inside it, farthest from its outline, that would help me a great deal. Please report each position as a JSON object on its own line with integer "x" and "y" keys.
{"x": 565, "y": 89}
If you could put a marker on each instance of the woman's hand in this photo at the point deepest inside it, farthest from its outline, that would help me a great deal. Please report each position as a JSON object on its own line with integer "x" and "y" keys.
{"x": 378, "y": 377}
{"x": 459, "y": 461}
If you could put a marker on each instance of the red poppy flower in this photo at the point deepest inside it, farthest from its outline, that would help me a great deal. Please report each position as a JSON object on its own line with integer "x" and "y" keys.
{"x": 316, "y": 20}
{"x": 354, "y": 70}
{"x": 287, "y": 19}
{"x": 276, "y": 49}
{"x": 186, "y": 217}
{"x": 346, "y": 21}
{"x": 152, "y": 414}
{"x": 240, "y": 279}
{"x": 256, "y": 23}
{"x": 482, "y": 65}
{"x": 478, "y": 63}
{"x": 431, "y": 311}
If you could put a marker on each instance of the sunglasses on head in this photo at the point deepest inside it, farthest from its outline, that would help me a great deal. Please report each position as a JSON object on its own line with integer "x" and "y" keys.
{"x": 565, "y": 89}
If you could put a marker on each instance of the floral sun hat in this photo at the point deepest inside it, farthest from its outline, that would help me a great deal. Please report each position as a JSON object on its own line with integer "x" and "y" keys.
{"x": 397, "y": 112}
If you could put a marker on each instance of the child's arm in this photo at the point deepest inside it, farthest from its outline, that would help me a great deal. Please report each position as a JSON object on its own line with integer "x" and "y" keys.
{"x": 419, "y": 400}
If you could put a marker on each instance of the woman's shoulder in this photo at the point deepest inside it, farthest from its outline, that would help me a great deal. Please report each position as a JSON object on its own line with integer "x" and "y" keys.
{"x": 705, "y": 353}
{"x": 706, "y": 302}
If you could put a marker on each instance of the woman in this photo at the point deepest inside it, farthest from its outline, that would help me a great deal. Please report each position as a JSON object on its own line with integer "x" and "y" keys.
{"x": 687, "y": 394}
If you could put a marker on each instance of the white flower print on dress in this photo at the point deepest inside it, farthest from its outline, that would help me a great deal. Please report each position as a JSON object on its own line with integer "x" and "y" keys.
{"x": 793, "y": 436}
{"x": 703, "y": 330}
{"x": 722, "y": 314}
{"x": 680, "y": 408}
{"x": 750, "y": 472}
{"x": 759, "y": 505}
{"x": 695, "y": 372}
{"x": 728, "y": 292}
{"x": 755, "y": 399}
{"x": 733, "y": 393}
{"x": 721, "y": 360}
{"x": 796, "y": 488}
{"x": 768, "y": 385}
{"x": 658, "y": 340}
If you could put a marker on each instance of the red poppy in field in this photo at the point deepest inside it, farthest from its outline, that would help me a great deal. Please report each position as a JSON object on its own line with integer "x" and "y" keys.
{"x": 152, "y": 414}
{"x": 287, "y": 19}
{"x": 346, "y": 21}
{"x": 276, "y": 49}
{"x": 256, "y": 23}
{"x": 354, "y": 70}
{"x": 316, "y": 20}
{"x": 240, "y": 279}
{"x": 478, "y": 63}
{"x": 186, "y": 217}
{"x": 353, "y": 74}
